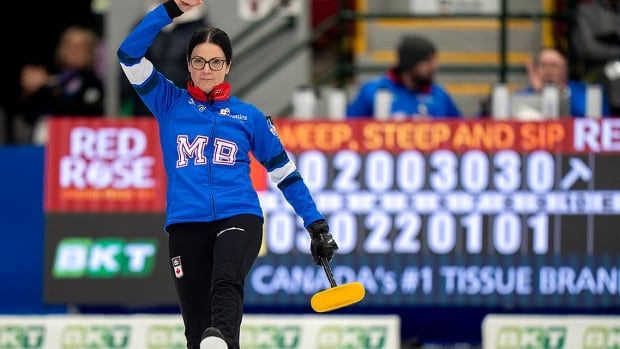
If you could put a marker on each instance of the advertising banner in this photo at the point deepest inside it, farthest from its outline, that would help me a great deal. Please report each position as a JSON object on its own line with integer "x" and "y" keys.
{"x": 551, "y": 332}
{"x": 104, "y": 165}
{"x": 107, "y": 259}
{"x": 425, "y": 213}
{"x": 166, "y": 332}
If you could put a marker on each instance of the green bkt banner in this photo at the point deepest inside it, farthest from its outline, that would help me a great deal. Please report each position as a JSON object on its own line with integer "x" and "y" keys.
{"x": 164, "y": 336}
{"x": 352, "y": 337}
{"x": 104, "y": 258}
{"x": 551, "y": 332}
{"x": 602, "y": 337}
{"x": 270, "y": 336}
{"x": 531, "y": 337}
{"x": 321, "y": 332}
{"x": 22, "y": 336}
{"x": 167, "y": 332}
{"x": 96, "y": 337}
{"x": 282, "y": 337}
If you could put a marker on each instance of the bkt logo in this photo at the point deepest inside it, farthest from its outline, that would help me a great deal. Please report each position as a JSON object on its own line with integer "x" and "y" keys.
{"x": 96, "y": 337}
{"x": 602, "y": 338}
{"x": 165, "y": 337}
{"x": 270, "y": 337}
{"x": 531, "y": 337}
{"x": 21, "y": 337}
{"x": 352, "y": 337}
{"x": 104, "y": 258}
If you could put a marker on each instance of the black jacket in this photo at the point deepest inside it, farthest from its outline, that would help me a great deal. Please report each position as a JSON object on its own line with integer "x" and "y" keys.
{"x": 74, "y": 93}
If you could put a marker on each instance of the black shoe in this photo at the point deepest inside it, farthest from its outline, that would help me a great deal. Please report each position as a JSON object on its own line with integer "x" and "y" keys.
{"x": 212, "y": 338}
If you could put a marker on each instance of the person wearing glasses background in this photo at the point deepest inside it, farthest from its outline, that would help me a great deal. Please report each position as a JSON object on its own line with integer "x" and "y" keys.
{"x": 213, "y": 217}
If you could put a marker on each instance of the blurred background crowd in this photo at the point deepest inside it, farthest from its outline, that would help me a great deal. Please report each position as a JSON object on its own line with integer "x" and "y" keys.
{"x": 433, "y": 60}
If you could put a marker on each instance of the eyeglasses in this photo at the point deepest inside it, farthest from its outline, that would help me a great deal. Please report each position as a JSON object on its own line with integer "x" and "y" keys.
{"x": 199, "y": 63}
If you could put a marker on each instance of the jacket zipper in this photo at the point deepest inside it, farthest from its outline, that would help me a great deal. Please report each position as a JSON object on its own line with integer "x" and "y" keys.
{"x": 210, "y": 161}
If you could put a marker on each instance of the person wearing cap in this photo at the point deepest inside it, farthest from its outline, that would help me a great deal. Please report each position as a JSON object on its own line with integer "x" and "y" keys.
{"x": 411, "y": 85}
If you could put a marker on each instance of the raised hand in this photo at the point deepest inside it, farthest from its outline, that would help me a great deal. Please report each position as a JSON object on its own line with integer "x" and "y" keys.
{"x": 186, "y": 5}
{"x": 33, "y": 77}
{"x": 535, "y": 80}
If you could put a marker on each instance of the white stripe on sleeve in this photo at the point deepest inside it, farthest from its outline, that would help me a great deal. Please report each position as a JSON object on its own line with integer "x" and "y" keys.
{"x": 139, "y": 72}
{"x": 279, "y": 174}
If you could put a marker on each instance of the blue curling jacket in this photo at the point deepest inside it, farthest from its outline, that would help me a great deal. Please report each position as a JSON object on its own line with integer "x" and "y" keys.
{"x": 206, "y": 141}
{"x": 578, "y": 102}
{"x": 435, "y": 102}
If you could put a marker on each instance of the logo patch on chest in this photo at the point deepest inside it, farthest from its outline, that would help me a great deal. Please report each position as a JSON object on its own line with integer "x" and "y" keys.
{"x": 225, "y": 152}
{"x": 226, "y": 112}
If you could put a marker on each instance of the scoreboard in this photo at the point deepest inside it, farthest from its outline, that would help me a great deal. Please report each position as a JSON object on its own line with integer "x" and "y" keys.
{"x": 443, "y": 213}
{"x": 428, "y": 212}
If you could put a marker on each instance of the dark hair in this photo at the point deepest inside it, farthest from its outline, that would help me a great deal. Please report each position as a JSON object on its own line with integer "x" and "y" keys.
{"x": 211, "y": 35}
{"x": 412, "y": 50}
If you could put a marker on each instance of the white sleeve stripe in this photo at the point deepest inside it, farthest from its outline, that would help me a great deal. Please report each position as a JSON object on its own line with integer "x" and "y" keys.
{"x": 279, "y": 174}
{"x": 139, "y": 72}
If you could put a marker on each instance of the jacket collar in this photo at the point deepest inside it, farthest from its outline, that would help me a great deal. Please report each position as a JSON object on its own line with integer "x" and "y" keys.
{"x": 219, "y": 92}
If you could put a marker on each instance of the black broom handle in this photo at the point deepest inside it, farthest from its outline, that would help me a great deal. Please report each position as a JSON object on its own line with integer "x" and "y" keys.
{"x": 328, "y": 271}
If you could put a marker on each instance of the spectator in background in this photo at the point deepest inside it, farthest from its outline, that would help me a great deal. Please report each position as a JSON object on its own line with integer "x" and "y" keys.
{"x": 597, "y": 44}
{"x": 549, "y": 66}
{"x": 168, "y": 49}
{"x": 74, "y": 89}
{"x": 411, "y": 84}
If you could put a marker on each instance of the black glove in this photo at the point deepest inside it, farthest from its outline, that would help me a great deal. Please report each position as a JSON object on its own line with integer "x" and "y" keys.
{"x": 323, "y": 244}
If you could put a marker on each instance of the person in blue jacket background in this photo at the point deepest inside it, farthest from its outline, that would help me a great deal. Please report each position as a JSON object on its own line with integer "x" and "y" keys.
{"x": 213, "y": 215}
{"x": 411, "y": 84}
{"x": 549, "y": 66}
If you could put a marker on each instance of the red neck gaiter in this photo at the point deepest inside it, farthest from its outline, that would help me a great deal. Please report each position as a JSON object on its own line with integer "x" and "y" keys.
{"x": 219, "y": 92}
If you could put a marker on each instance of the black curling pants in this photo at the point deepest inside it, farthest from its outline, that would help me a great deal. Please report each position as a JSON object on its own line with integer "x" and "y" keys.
{"x": 209, "y": 262}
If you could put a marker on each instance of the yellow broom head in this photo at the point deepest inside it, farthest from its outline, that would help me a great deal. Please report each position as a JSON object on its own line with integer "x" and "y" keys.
{"x": 338, "y": 297}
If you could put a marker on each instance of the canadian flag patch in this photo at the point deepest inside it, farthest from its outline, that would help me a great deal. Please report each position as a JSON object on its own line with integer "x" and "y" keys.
{"x": 177, "y": 266}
